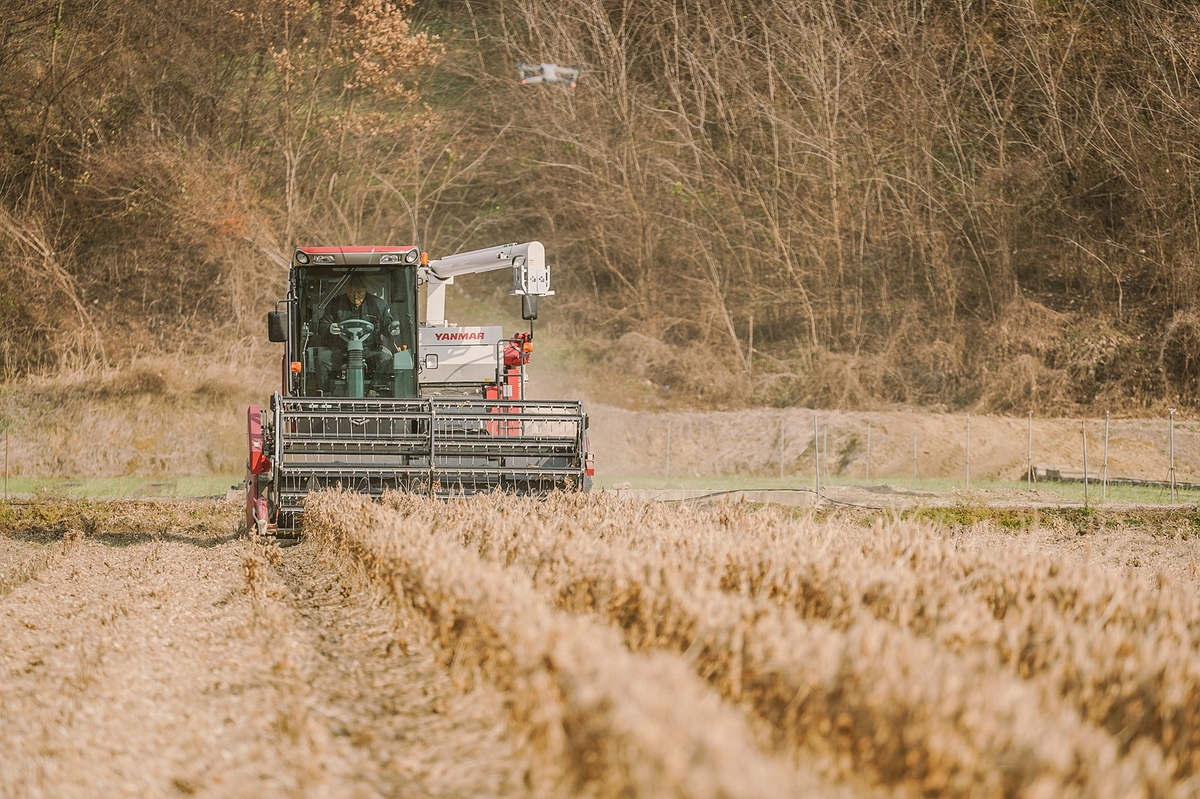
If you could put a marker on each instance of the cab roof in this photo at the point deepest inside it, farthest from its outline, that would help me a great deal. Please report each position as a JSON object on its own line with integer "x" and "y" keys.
{"x": 352, "y": 256}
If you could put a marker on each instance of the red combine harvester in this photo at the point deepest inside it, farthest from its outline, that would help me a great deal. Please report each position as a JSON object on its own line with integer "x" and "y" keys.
{"x": 373, "y": 400}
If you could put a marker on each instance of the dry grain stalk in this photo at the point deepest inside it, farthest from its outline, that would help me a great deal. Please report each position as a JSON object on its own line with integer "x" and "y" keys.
{"x": 1122, "y": 653}
{"x": 870, "y": 696}
{"x": 598, "y": 718}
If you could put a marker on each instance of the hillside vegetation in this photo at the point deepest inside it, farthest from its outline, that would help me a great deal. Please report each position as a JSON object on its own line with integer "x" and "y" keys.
{"x": 958, "y": 203}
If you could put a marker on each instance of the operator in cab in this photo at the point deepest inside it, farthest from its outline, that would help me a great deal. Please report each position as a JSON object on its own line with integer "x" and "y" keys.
{"x": 378, "y": 348}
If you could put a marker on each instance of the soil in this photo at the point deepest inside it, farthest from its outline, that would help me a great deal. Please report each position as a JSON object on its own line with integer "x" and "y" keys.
{"x": 198, "y": 663}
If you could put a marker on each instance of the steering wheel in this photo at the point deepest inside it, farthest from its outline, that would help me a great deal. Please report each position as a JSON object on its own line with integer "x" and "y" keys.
{"x": 353, "y": 329}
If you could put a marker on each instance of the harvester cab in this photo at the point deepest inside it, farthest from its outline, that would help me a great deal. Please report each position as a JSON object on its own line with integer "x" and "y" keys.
{"x": 373, "y": 398}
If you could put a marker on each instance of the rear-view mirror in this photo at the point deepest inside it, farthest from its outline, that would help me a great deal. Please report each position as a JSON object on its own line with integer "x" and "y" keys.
{"x": 277, "y": 325}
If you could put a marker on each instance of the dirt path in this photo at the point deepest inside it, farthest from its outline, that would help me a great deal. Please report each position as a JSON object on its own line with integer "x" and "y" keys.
{"x": 199, "y": 664}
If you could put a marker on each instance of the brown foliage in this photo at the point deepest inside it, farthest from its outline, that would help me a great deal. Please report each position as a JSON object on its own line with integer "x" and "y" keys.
{"x": 160, "y": 162}
{"x": 881, "y": 193}
{"x": 977, "y": 205}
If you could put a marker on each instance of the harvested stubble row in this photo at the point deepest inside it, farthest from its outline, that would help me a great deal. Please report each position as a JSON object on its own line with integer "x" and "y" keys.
{"x": 598, "y": 719}
{"x": 869, "y": 693}
{"x": 61, "y": 524}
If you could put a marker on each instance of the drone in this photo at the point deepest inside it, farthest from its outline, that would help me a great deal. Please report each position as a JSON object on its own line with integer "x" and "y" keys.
{"x": 548, "y": 73}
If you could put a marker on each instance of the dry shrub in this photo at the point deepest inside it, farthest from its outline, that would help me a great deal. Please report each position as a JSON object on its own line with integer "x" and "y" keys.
{"x": 1033, "y": 358}
{"x": 133, "y": 383}
{"x": 858, "y": 680}
{"x": 1179, "y": 357}
{"x": 599, "y": 719}
{"x": 1021, "y": 384}
{"x": 695, "y": 372}
{"x": 827, "y": 379}
{"x": 217, "y": 389}
{"x": 1018, "y": 348}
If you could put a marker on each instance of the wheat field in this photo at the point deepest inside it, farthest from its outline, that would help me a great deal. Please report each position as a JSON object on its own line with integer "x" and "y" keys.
{"x": 891, "y": 655}
{"x": 582, "y": 645}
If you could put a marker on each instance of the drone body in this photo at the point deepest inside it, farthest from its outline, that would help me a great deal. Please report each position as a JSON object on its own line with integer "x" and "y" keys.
{"x": 548, "y": 73}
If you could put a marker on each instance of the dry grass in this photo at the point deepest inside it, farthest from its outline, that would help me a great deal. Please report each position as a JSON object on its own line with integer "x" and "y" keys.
{"x": 954, "y": 664}
{"x": 166, "y": 416}
{"x": 51, "y": 519}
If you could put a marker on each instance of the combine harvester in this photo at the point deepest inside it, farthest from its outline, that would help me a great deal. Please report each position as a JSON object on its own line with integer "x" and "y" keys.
{"x": 371, "y": 400}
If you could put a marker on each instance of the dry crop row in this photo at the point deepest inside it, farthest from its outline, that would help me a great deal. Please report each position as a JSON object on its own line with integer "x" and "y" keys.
{"x": 868, "y": 694}
{"x": 596, "y": 716}
{"x": 1122, "y": 653}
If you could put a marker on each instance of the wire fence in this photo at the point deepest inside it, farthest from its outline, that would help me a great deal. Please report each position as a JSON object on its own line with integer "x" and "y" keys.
{"x": 811, "y": 448}
{"x": 1102, "y": 457}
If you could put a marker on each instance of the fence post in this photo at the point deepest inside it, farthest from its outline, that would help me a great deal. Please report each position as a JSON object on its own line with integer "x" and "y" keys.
{"x": 816, "y": 459}
{"x": 1172, "y": 452}
{"x": 1104, "y": 472}
{"x": 1029, "y": 455}
{"x": 968, "y": 475}
{"x": 1083, "y": 425}
{"x": 6, "y": 463}
{"x": 868, "y": 452}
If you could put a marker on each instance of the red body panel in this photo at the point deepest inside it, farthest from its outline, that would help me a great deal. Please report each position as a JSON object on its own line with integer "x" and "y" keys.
{"x": 256, "y": 506}
{"x": 259, "y": 462}
{"x": 508, "y": 389}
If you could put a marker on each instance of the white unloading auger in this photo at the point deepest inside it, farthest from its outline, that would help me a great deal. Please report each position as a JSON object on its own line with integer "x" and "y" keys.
{"x": 531, "y": 276}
